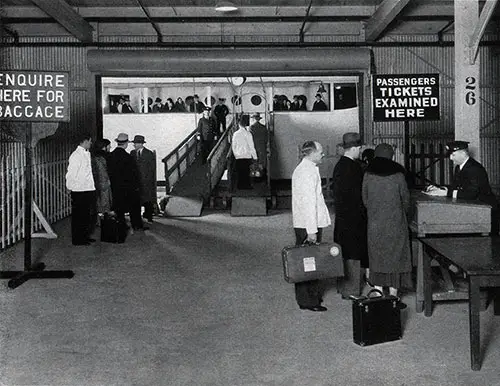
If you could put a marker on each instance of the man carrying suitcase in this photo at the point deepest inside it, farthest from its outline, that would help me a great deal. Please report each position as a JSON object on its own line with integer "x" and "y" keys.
{"x": 310, "y": 215}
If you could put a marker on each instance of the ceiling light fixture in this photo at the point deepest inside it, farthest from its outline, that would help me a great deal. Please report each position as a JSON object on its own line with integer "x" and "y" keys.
{"x": 225, "y": 6}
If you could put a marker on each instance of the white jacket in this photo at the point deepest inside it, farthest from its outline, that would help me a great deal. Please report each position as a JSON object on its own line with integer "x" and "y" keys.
{"x": 79, "y": 175}
{"x": 309, "y": 210}
{"x": 242, "y": 144}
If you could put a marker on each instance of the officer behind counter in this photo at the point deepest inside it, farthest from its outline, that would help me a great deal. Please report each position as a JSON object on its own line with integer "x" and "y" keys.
{"x": 470, "y": 181}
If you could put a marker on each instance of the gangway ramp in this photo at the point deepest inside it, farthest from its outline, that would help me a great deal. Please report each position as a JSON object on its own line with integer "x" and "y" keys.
{"x": 190, "y": 181}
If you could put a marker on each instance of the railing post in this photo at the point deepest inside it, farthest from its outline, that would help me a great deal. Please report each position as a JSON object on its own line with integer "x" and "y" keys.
{"x": 441, "y": 165}
{"x": 422, "y": 164}
{"x": 431, "y": 163}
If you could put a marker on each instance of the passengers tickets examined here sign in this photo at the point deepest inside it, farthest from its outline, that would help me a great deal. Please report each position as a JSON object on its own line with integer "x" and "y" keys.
{"x": 405, "y": 97}
{"x": 37, "y": 96}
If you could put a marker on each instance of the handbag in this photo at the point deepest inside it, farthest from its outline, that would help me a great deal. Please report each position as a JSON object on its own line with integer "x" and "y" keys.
{"x": 112, "y": 229}
{"x": 376, "y": 319}
{"x": 312, "y": 261}
{"x": 256, "y": 170}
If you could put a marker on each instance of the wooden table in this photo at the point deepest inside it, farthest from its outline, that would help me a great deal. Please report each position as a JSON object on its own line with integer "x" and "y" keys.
{"x": 478, "y": 258}
{"x": 432, "y": 216}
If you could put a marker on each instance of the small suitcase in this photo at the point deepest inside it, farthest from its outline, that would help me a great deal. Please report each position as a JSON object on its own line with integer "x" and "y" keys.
{"x": 113, "y": 230}
{"x": 376, "y": 319}
{"x": 312, "y": 262}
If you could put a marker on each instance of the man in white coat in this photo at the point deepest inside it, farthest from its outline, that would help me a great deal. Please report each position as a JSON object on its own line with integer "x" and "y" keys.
{"x": 80, "y": 182}
{"x": 310, "y": 214}
{"x": 244, "y": 152}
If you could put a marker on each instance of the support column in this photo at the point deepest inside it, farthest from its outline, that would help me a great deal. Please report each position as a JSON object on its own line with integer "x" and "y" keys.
{"x": 467, "y": 90}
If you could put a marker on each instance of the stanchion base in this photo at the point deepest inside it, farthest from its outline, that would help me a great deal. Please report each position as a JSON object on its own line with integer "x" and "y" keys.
{"x": 36, "y": 272}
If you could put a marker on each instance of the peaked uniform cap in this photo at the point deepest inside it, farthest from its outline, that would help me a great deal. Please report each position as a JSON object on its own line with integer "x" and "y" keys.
{"x": 457, "y": 145}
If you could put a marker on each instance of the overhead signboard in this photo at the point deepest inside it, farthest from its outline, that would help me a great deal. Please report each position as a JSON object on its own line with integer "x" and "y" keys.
{"x": 36, "y": 96}
{"x": 405, "y": 97}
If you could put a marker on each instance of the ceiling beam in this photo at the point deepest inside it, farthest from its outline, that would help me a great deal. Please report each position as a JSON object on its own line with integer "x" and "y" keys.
{"x": 65, "y": 15}
{"x": 226, "y": 19}
{"x": 478, "y": 33}
{"x": 153, "y": 24}
{"x": 383, "y": 16}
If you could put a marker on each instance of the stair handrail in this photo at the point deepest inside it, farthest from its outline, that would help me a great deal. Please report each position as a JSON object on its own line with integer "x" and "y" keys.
{"x": 217, "y": 158}
{"x": 183, "y": 152}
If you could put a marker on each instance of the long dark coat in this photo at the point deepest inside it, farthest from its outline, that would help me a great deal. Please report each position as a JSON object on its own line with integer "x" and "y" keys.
{"x": 102, "y": 182}
{"x": 260, "y": 138}
{"x": 124, "y": 176}
{"x": 387, "y": 200}
{"x": 350, "y": 214}
{"x": 146, "y": 164}
{"x": 472, "y": 183}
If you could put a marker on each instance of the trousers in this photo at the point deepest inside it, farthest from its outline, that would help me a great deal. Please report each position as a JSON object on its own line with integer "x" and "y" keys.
{"x": 82, "y": 211}
{"x": 307, "y": 293}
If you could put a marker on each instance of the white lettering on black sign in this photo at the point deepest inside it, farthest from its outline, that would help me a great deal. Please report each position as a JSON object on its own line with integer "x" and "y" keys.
{"x": 34, "y": 96}
{"x": 405, "y": 97}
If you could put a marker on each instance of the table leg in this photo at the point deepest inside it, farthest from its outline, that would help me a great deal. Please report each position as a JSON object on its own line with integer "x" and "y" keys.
{"x": 419, "y": 294}
{"x": 474, "y": 305}
{"x": 427, "y": 283}
{"x": 496, "y": 301}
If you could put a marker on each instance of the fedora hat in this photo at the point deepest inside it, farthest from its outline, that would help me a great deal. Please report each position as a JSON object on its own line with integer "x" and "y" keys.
{"x": 256, "y": 116}
{"x": 139, "y": 139}
{"x": 351, "y": 140}
{"x": 122, "y": 137}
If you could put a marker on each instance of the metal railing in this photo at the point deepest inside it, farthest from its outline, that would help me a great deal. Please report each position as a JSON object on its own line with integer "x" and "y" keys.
{"x": 49, "y": 188}
{"x": 178, "y": 160}
{"x": 217, "y": 159}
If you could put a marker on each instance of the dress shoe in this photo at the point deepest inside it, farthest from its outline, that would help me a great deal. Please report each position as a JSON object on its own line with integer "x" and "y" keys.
{"x": 141, "y": 228}
{"x": 91, "y": 240}
{"x": 314, "y": 308}
{"x": 402, "y": 305}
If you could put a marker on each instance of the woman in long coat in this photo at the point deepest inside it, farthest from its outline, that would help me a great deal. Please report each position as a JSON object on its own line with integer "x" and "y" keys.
{"x": 387, "y": 199}
{"x": 101, "y": 177}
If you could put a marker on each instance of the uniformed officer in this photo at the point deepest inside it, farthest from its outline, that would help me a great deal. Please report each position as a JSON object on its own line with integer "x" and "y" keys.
{"x": 470, "y": 180}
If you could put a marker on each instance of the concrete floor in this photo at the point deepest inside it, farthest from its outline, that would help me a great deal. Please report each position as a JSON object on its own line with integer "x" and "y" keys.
{"x": 202, "y": 301}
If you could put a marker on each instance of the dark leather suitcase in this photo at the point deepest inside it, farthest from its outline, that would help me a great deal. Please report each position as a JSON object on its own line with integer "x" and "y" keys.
{"x": 112, "y": 230}
{"x": 312, "y": 262}
{"x": 376, "y": 319}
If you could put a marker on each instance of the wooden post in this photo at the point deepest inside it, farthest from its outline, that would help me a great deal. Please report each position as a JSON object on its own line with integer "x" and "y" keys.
{"x": 28, "y": 193}
{"x": 467, "y": 88}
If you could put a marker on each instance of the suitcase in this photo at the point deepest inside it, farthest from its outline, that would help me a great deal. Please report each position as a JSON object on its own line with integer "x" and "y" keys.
{"x": 312, "y": 262}
{"x": 112, "y": 230}
{"x": 376, "y": 319}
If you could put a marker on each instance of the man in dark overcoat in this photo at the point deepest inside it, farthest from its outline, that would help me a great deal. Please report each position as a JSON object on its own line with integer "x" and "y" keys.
{"x": 470, "y": 181}
{"x": 220, "y": 113}
{"x": 350, "y": 215}
{"x": 125, "y": 183}
{"x": 146, "y": 164}
{"x": 260, "y": 140}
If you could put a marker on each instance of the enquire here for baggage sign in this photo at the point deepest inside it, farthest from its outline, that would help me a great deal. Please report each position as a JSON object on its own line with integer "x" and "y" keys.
{"x": 36, "y": 96}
